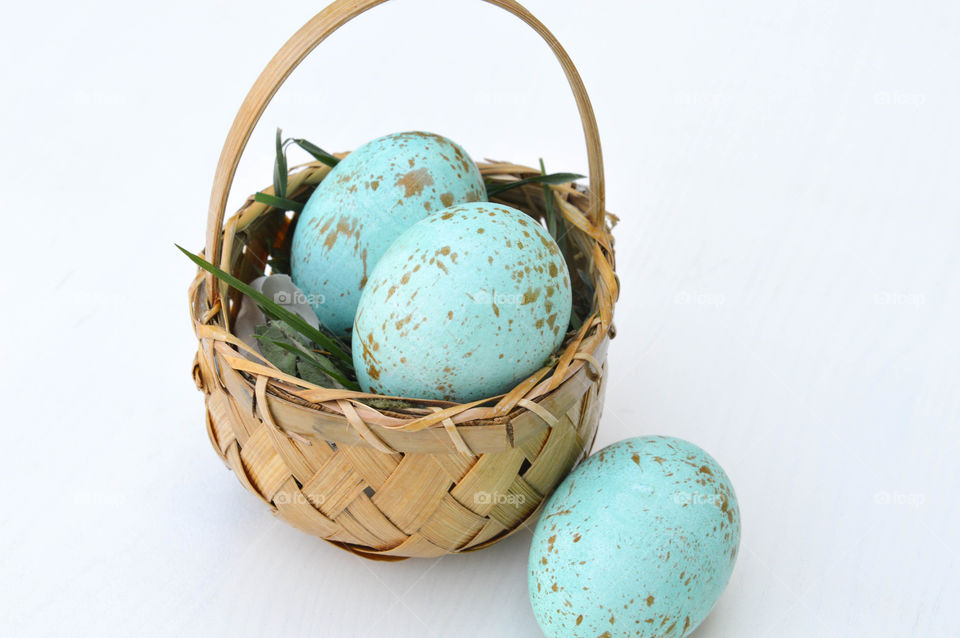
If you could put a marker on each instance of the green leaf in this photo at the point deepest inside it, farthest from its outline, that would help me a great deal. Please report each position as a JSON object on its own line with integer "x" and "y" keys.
{"x": 307, "y": 371}
{"x": 273, "y": 309}
{"x": 278, "y": 202}
{"x": 288, "y": 351}
{"x": 318, "y": 153}
{"x": 317, "y": 361}
{"x": 346, "y": 367}
{"x": 268, "y": 335}
{"x": 303, "y": 349}
{"x": 494, "y": 188}
{"x": 280, "y": 169}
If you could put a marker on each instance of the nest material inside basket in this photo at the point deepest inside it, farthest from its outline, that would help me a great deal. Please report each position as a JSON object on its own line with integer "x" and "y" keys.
{"x": 262, "y": 234}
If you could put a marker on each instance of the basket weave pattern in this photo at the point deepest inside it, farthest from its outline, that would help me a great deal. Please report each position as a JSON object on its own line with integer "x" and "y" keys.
{"x": 417, "y": 478}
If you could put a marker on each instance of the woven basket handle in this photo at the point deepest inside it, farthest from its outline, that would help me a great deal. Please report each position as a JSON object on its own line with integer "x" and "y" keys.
{"x": 303, "y": 42}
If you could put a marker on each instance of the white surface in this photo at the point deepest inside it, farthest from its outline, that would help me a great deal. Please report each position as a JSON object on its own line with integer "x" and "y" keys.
{"x": 787, "y": 178}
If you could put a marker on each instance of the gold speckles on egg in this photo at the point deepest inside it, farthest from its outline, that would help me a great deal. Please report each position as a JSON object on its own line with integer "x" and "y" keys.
{"x": 472, "y": 278}
{"x": 414, "y": 181}
{"x": 365, "y": 202}
{"x": 675, "y": 549}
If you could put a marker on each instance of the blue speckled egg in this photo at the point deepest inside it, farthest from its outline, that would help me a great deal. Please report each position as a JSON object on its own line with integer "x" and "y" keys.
{"x": 464, "y": 305}
{"x": 364, "y": 203}
{"x": 639, "y": 540}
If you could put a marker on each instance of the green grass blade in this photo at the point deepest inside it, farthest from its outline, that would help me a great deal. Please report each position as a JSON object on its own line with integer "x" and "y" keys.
{"x": 277, "y": 202}
{"x": 557, "y": 229}
{"x": 548, "y": 206}
{"x": 318, "y": 153}
{"x": 495, "y": 188}
{"x": 280, "y": 169}
{"x": 292, "y": 319}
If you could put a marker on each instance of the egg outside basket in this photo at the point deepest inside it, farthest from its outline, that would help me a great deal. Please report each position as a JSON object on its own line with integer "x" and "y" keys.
{"x": 421, "y": 478}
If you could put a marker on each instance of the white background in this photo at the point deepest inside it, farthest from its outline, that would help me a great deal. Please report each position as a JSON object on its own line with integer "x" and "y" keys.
{"x": 787, "y": 175}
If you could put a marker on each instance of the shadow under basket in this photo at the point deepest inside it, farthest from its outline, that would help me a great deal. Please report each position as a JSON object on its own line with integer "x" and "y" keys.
{"x": 412, "y": 478}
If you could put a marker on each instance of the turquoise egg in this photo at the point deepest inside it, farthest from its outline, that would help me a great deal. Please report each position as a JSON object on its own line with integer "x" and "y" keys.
{"x": 364, "y": 203}
{"x": 464, "y": 305}
{"x": 639, "y": 540}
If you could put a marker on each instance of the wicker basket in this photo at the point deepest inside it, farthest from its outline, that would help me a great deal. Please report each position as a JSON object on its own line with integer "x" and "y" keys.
{"x": 431, "y": 477}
